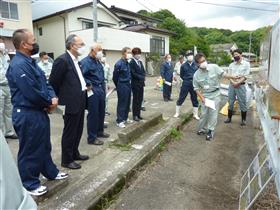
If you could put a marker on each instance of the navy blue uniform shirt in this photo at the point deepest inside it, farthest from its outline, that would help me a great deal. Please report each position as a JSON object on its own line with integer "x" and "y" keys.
{"x": 166, "y": 71}
{"x": 187, "y": 71}
{"x": 93, "y": 71}
{"x": 28, "y": 85}
{"x": 121, "y": 72}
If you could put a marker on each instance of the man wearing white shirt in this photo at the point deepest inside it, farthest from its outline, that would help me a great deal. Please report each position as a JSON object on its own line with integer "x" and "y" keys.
{"x": 70, "y": 87}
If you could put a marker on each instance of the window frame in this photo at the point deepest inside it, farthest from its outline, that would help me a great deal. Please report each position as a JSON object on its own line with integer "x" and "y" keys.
{"x": 157, "y": 45}
{"x": 9, "y": 11}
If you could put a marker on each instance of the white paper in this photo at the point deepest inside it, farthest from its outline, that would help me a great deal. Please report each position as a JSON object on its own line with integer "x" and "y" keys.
{"x": 89, "y": 93}
{"x": 210, "y": 103}
{"x": 167, "y": 83}
{"x": 61, "y": 108}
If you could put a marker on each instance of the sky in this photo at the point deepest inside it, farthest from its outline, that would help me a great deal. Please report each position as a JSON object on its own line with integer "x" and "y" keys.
{"x": 202, "y": 13}
{"x": 227, "y": 14}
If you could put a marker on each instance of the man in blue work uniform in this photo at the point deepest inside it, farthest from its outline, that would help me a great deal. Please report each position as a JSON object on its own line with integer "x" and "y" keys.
{"x": 121, "y": 79}
{"x": 186, "y": 73}
{"x": 32, "y": 99}
{"x": 94, "y": 76}
{"x": 166, "y": 72}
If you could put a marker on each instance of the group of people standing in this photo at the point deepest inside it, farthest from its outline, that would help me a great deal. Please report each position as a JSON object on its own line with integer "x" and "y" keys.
{"x": 202, "y": 80}
{"x": 73, "y": 86}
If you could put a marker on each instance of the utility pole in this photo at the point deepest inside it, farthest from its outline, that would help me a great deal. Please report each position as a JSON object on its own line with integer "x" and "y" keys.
{"x": 250, "y": 45}
{"x": 95, "y": 24}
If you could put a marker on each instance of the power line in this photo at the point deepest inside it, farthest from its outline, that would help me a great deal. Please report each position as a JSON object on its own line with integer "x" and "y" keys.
{"x": 143, "y": 5}
{"x": 233, "y": 6}
{"x": 262, "y": 2}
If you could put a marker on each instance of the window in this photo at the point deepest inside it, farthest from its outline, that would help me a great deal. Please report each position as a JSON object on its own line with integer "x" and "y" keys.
{"x": 87, "y": 25}
{"x": 8, "y": 10}
{"x": 40, "y": 31}
{"x": 158, "y": 45}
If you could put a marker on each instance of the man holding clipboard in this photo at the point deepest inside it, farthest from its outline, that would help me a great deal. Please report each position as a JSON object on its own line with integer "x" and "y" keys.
{"x": 206, "y": 82}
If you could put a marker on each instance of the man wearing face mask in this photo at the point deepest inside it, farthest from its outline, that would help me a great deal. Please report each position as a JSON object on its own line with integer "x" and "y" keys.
{"x": 186, "y": 73}
{"x": 32, "y": 98}
{"x": 108, "y": 79}
{"x": 5, "y": 97}
{"x": 70, "y": 86}
{"x": 237, "y": 87}
{"x": 137, "y": 83}
{"x": 94, "y": 76}
{"x": 166, "y": 72}
{"x": 44, "y": 64}
{"x": 206, "y": 83}
{"x": 121, "y": 79}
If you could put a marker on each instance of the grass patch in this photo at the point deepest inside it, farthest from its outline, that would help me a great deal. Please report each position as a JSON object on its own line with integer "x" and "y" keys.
{"x": 175, "y": 134}
{"x": 122, "y": 147}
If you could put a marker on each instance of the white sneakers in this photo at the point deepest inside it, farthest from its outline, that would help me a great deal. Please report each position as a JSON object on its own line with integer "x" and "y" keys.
{"x": 41, "y": 190}
{"x": 177, "y": 111}
{"x": 195, "y": 113}
{"x": 61, "y": 175}
{"x": 121, "y": 125}
{"x": 128, "y": 121}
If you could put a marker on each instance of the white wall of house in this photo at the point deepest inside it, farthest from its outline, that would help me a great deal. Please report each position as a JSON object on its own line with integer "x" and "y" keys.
{"x": 10, "y": 25}
{"x": 52, "y": 39}
{"x": 74, "y": 24}
{"x": 113, "y": 40}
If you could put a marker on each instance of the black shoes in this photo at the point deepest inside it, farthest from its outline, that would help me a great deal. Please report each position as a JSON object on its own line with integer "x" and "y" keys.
{"x": 96, "y": 142}
{"x": 14, "y": 136}
{"x": 140, "y": 118}
{"x": 103, "y": 135}
{"x": 201, "y": 132}
{"x": 82, "y": 157}
{"x": 209, "y": 135}
{"x": 143, "y": 108}
{"x": 170, "y": 99}
{"x": 165, "y": 99}
{"x": 72, "y": 165}
{"x": 228, "y": 120}
{"x": 243, "y": 118}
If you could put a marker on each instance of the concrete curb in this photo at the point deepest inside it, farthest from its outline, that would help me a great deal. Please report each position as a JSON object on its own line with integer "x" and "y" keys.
{"x": 97, "y": 188}
{"x": 118, "y": 185}
{"x": 133, "y": 132}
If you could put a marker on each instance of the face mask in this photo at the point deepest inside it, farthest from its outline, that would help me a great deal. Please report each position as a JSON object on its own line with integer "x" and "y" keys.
{"x": 81, "y": 50}
{"x": 190, "y": 58}
{"x": 35, "y": 49}
{"x": 99, "y": 55}
{"x": 103, "y": 59}
{"x": 128, "y": 56}
{"x": 137, "y": 56}
{"x": 203, "y": 65}
{"x": 236, "y": 58}
{"x": 169, "y": 60}
{"x": 45, "y": 61}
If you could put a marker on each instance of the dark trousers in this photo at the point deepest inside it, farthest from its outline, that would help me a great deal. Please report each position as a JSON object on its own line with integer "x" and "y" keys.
{"x": 187, "y": 87}
{"x": 124, "y": 97}
{"x": 138, "y": 92}
{"x": 72, "y": 133}
{"x": 167, "y": 91}
{"x": 34, "y": 156}
{"x": 96, "y": 113}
